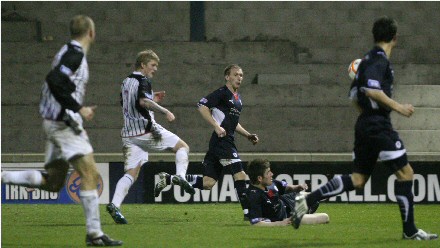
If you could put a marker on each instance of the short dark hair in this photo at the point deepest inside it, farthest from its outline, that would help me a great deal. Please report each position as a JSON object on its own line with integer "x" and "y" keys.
{"x": 229, "y": 67}
{"x": 256, "y": 168}
{"x": 384, "y": 29}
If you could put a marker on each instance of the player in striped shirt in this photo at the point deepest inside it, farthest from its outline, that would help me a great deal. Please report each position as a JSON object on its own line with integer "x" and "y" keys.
{"x": 142, "y": 134}
{"x": 62, "y": 109}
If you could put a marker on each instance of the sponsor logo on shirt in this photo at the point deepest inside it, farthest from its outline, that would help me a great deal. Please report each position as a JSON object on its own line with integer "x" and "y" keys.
{"x": 373, "y": 83}
{"x": 65, "y": 70}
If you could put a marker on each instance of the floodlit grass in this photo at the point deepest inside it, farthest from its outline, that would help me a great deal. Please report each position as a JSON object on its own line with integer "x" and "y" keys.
{"x": 213, "y": 225}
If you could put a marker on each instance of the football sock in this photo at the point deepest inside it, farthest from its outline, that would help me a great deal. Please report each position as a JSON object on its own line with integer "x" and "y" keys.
{"x": 182, "y": 161}
{"x": 121, "y": 190}
{"x": 335, "y": 186}
{"x": 240, "y": 186}
{"x": 195, "y": 180}
{"x": 405, "y": 199}
{"x": 90, "y": 202}
{"x": 23, "y": 178}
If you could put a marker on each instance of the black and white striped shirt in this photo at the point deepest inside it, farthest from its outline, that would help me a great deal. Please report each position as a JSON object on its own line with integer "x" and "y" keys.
{"x": 64, "y": 88}
{"x": 137, "y": 120}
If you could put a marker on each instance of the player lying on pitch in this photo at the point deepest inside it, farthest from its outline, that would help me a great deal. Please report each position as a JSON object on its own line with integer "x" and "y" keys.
{"x": 271, "y": 201}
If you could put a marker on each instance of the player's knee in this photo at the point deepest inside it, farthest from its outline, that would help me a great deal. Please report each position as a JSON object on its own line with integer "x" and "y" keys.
{"x": 90, "y": 175}
{"x": 359, "y": 180}
{"x": 94, "y": 175}
{"x": 406, "y": 173}
{"x": 208, "y": 184}
{"x": 359, "y": 183}
{"x": 241, "y": 175}
{"x": 181, "y": 145}
{"x": 184, "y": 146}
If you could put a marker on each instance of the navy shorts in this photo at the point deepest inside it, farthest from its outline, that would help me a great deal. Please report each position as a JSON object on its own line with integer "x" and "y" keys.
{"x": 222, "y": 154}
{"x": 376, "y": 139}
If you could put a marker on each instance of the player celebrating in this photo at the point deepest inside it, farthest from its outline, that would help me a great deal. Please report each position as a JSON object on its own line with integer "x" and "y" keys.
{"x": 375, "y": 137}
{"x": 141, "y": 133}
{"x": 271, "y": 201}
{"x": 61, "y": 107}
{"x": 222, "y": 109}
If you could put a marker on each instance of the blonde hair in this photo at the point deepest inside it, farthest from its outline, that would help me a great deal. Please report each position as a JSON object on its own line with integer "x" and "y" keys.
{"x": 145, "y": 57}
{"x": 80, "y": 25}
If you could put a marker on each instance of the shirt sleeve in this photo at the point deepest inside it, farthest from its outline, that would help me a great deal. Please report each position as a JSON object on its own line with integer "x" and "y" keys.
{"x": 144, "y": 90}
{"x": 256, "y": 209}
{"x": 212, "y": 100}
{"x": 281, "y": 186}
{"x": 59, "y": 81}
{"x": 374, "y": 75}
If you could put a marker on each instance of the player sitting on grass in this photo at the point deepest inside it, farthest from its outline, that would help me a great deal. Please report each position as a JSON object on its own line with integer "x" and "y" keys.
{"x": 271, "y": 201}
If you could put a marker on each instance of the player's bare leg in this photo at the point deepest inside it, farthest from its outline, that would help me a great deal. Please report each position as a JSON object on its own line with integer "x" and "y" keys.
{"x": 208, "y": 182}
{"x": 335, "y": 186}
{"x": 319, "y": 218}
{"x": 86, "y": 167}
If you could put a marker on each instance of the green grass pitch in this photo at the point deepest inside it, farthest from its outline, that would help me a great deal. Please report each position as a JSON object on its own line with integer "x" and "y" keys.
{"x": 213, "y": 225}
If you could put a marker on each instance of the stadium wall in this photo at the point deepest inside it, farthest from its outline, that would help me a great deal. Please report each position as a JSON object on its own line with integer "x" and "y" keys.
{"x": 313, "y": 169}
{"x": 294, "y": 56}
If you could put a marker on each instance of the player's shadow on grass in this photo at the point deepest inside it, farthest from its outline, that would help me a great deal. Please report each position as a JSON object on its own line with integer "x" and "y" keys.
{"x": 31, "y": 245}
{"x": 238, "y": 225}
{"x": 274, "y": 242}
{"x": 57, "y": 224}
{"x": 269, "y": 243}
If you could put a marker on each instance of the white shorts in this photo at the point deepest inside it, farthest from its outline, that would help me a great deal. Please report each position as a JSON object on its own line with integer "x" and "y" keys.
{"x": 135, "y": 149}
{"x": 63, "y": 143}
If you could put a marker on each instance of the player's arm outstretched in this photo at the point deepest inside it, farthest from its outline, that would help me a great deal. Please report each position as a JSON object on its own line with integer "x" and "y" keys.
{"x": 251, "y": 137}
{"x": 265, "y": 222}
{"x": 380, "y": 97}
{"x": 296, "y": 188}
{"x": 153, "y": 106}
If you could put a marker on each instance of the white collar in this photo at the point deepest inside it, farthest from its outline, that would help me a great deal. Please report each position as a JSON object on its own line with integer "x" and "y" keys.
{"x": 138, "y": 73}
{"x": 76, "y": 43}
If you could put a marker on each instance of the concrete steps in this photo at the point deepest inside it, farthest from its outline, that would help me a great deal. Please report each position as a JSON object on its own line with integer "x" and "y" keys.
{"x": 299, "y": 50}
